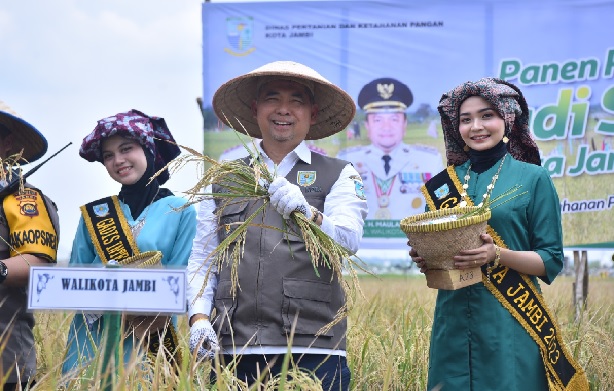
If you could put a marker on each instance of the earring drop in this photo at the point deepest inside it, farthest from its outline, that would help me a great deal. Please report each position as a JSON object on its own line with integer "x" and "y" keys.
{"x": 505, "y": 139}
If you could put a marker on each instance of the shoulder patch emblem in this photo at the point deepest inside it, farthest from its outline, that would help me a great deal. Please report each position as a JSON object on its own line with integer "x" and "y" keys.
{"x": 306, "y": 178}
{"x": 27, "y": 202}
{"x": 360, "y": 189}
{"x": 29, "y": 209}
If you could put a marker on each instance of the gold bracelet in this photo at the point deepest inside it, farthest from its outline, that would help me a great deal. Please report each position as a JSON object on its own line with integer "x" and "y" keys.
{"x": 496, "y": 262}
{"x": 497, "y": 256}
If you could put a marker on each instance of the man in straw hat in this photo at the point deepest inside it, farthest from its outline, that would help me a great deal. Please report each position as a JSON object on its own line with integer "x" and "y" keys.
{"x": 29, "y": 232}
{"x": 282, "y": 301}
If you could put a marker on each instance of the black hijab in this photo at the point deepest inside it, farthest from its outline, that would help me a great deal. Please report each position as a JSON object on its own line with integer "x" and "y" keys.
{"x": 140, "y": 195}
{"x": 483, "y": 160}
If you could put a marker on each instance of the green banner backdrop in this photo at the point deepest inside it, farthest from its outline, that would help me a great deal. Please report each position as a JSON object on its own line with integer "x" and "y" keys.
{"x": 562, "y": 59}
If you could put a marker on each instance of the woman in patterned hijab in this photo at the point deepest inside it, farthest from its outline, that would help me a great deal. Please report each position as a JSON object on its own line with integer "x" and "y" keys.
{"x": 132, "y": 146}
{"x": 479, "y": 339}
{"x": 507, "y": 100}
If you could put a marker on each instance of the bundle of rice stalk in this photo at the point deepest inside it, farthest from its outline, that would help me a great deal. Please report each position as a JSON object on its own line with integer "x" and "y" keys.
{"x": 248, "y": 179}
{"x": 10, "y": 171}
{"x": 10, "y": 168}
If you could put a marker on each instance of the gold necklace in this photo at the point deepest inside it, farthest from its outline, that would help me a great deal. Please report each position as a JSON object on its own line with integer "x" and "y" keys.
{"x": 489, "y": 188}
{"x": 139, "y": 223}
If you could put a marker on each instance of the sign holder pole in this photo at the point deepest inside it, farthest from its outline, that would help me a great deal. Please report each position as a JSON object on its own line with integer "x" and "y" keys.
{"x": 112, "y": 337}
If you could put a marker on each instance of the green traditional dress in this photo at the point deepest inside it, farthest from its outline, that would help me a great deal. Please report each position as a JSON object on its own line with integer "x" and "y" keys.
{"x": 476, "y": 344}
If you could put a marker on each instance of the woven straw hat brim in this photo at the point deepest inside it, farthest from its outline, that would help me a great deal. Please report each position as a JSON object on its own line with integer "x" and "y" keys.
{"x": 232, "y": 101}
{"x": 25, "y": 136}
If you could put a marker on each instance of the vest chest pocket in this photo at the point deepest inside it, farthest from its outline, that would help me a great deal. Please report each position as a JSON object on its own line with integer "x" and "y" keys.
{"x": 225, "y": 307}
{"x": 308, "y": 303}
{"x": 233, "y": 214}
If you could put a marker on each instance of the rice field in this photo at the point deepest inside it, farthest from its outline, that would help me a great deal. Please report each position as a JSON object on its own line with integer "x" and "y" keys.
{"x": 388, "y": 339}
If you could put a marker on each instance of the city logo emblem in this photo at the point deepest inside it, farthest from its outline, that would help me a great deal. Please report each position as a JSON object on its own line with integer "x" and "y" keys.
{"x": 240, "y": 33}
{"x": 101, "y": 210}
{"x": 306, "y": 178}
{"x": 442, "y": 192}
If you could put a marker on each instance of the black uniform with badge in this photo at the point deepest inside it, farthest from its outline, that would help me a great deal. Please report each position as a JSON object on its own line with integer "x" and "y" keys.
{"x": 392, "y": 179}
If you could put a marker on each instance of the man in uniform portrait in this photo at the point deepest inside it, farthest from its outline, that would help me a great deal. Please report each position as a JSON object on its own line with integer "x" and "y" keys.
{"x": 392, "y": 171}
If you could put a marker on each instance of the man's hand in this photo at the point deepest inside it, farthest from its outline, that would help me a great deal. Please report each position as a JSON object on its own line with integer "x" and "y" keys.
{"x": 203, "y": 340}
{"x": 287, "y": 198}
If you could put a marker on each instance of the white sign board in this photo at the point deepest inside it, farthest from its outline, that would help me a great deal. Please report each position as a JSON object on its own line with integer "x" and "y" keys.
{"x": 107, "y": 289}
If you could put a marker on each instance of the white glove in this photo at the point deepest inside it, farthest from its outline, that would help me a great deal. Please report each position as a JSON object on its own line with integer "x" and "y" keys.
{"x": 287, "y": 198}
{"x": 203, "y": 340}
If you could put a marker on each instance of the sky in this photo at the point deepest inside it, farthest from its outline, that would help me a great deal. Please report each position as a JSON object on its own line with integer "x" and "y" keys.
{"x": 66, "y": 64}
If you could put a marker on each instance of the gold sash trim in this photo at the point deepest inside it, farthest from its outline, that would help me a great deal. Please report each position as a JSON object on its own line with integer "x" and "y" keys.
{"x": 109, "y": 229}
{"x": 517, "y": 293}
{"x": 112, "y": 238}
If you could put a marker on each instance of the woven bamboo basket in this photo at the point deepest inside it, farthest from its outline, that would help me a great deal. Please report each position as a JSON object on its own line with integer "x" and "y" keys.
{"x": 146, "y": 259}
{"x": 439, "y": 235}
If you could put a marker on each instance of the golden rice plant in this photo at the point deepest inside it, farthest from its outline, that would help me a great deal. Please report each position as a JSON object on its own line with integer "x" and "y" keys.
{"x": 389, "y": 331}
{"x": 10, "y": 167}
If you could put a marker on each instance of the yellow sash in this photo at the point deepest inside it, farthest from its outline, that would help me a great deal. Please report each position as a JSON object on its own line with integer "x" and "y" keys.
{"x": 112, "y": 238}
{"x": 517, "y": 293}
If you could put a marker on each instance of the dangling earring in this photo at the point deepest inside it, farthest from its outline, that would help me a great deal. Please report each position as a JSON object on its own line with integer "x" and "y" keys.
{"x": 466, "y": 148}
{"x": 505, "y": 139}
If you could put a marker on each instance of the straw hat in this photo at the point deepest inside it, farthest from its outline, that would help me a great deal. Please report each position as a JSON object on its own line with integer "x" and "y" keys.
{"x": 25, "y": 136}
{"x": 232, "y": 101}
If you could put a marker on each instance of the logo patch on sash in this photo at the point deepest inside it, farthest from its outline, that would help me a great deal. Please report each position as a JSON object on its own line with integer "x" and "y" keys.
{"x": 306, "y": 178}
{"x": 101, "y": 210}
{"x": 442, "y": 192}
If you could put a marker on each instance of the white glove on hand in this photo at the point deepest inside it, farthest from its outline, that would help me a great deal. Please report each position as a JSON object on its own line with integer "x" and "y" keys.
{"x": 203, "y": 340}
{"x": 287, "y": 198}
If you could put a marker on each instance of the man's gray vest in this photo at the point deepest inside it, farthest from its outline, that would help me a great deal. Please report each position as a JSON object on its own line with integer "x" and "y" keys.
{"x": 278, "y": 285}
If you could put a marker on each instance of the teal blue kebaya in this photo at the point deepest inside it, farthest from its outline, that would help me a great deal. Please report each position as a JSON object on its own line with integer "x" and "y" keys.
{"x": 143, "y": 217}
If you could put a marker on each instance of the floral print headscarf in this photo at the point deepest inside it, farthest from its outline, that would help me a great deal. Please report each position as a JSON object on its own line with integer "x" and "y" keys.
{"x": 507, "y": 100}
{"x": 151, "y": 132}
